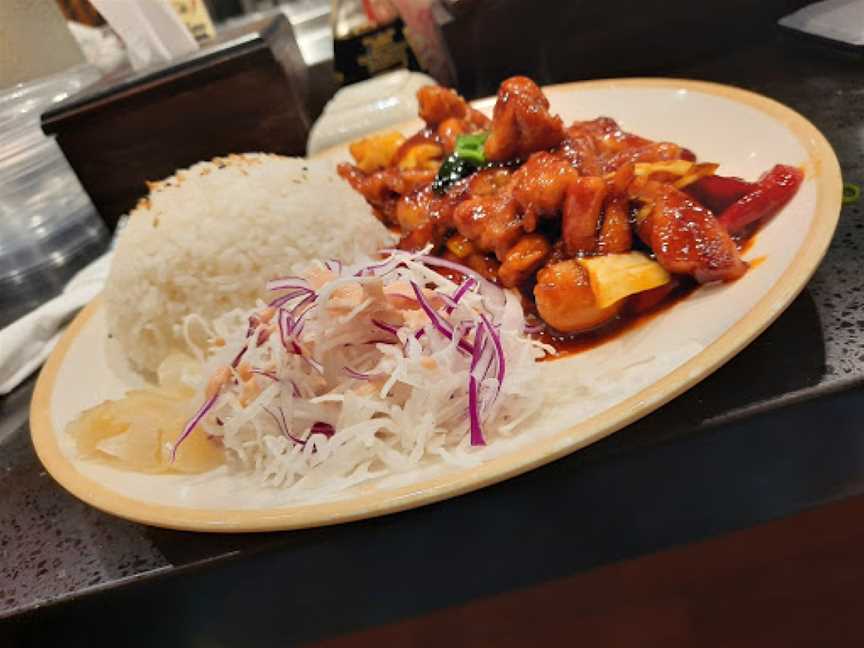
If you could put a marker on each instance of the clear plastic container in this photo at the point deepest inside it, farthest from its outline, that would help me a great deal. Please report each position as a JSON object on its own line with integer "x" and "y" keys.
{"x": 49, "y": 229}
{"x": 33, "y": 97}
{"x": 40, "y": 195}
{"x": 44, "y": 269}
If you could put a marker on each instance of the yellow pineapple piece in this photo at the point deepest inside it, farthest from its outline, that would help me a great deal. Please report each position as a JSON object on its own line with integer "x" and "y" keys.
{"x": 426, "y": 156}
{"x": 674, "y": 167}
{"x": 615, "y": 276}
{"x": 376, "y": 151}
{"x": 698, "y": 171}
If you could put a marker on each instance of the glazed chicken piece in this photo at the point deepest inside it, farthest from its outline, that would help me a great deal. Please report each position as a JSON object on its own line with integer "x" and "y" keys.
{"x": 460, "y": 250}
{"x": 483, "y": 264}
{"x": 448, "y": 115}
{"x": 599, "y": 146}
{"x": 421, "y": 207}
{"x": 653, "y": 152}
{"x": 490, "y": 222}
{"x": 523, "y": 260}
{"x": 580, "y": 149}
{"x": 448, "y": 130}
{"x": 581, "y": 217}
{"x": 403, "y": 181}
{"x": 554, "y": 198}
{"x": 685, "y": 236}
{"x": 616, "y": 236}
{"x": 566, "y": 301}
{"x": 607, "y": 135}
{"x": 489, "y": 181}
{"x": 439, "y": 105}
{"x": 425, "y": 217}
{"x": 381, "y": 189}
{"x": 408, "y": 149}
{"x": 540, "y": 186}
{"x": 489, "y": 214}
{"x": 371, "y": 186}
{"x": 521, "y": 123}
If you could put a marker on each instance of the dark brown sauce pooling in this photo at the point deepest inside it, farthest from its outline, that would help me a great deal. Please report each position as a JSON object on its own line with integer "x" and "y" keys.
{"x": 571, "y": 344}
{"x": 566, "y": 345}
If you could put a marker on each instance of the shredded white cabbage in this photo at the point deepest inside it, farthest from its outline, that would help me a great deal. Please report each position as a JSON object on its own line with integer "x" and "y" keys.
{"x": 348, "y": 379}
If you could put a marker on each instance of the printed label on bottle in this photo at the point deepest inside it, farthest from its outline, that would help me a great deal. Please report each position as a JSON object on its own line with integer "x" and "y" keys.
{"x": 364, "y": 55}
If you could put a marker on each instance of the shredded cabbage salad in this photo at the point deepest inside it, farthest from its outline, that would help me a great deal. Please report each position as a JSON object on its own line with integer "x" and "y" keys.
{"x": 355, "y": 372}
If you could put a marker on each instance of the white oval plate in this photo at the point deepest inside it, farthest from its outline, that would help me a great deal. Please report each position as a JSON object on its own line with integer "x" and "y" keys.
{"x": 591, "y": 395}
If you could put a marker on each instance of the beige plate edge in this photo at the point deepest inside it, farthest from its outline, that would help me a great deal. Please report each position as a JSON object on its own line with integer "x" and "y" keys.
{"x": 825, "y": 169}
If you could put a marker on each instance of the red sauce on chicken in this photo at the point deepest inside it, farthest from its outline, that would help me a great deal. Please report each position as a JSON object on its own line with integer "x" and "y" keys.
{"x": 552, "y": 195}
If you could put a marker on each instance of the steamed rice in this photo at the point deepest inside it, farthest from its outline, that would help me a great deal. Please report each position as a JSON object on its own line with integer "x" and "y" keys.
{"x": 206, "y": 240}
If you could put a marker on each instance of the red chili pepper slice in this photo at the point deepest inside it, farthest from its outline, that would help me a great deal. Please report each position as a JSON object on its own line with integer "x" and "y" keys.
{"x": 770, "y": 195}
{"x": 717, "y": 193}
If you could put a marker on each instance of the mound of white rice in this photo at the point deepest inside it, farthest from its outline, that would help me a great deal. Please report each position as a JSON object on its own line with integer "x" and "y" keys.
{"x": 207, "y": 239}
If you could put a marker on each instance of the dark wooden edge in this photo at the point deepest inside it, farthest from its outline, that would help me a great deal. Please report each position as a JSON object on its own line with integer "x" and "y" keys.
{"x": 794, "y": 581}
{"x": 103, "y": 96}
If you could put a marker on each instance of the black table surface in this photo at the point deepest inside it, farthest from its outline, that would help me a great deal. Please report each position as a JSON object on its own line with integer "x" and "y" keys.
{"x": 771, "y": 433}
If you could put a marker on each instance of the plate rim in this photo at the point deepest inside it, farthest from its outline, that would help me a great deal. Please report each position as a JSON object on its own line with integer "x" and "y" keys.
{"x": 791, "y": 282}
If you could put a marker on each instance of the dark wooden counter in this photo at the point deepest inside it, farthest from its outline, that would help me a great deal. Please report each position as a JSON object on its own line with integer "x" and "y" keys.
{"x": 790, "y": 582}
